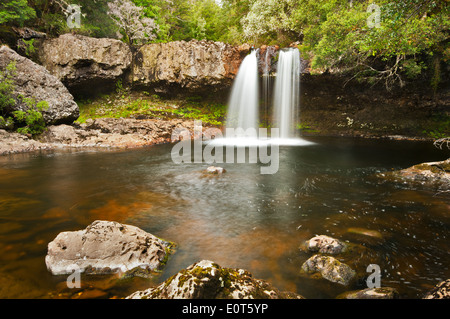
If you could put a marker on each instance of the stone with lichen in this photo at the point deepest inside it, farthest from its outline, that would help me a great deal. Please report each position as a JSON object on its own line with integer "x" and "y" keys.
{"x": 208, "y": 280}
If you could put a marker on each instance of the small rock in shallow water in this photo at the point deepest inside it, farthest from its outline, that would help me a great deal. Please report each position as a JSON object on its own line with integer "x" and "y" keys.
{"x": 215, "y": 170}
{"x": 325, "y": 245}
{"x": 329, "y": 268}
{"x": 371, "y": 293}
{"x": 441, "y": 291}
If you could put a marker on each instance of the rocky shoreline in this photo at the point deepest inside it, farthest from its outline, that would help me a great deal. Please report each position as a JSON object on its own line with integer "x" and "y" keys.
{"x": 122, "y": 133}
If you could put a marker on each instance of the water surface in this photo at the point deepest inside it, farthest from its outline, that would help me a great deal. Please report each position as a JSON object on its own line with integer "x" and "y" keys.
{"x": 241, "y": 219}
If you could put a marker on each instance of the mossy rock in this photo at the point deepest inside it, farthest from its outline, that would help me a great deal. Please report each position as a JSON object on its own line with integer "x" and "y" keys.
{"x": 208, "y": 280}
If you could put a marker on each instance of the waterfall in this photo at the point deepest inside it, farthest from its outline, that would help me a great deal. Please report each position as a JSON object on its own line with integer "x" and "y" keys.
{"x": 266, "y": 82}
{"x": 287, "y": 92}
{"x": 243, "y": 104}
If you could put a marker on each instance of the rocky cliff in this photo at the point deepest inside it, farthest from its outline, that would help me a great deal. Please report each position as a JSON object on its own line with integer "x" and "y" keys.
{"x": 194, "y": 66}
{"x": 85, "y": 64}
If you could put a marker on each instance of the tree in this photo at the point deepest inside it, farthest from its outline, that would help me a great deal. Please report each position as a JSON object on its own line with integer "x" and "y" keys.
{"x": 336, "y": 35}
{"x": 135, "y": 28}
{"x": 15, "y": 12}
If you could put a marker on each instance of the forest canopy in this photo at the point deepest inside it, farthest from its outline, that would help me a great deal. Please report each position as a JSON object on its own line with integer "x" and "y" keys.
{"x": 382, "y": 40}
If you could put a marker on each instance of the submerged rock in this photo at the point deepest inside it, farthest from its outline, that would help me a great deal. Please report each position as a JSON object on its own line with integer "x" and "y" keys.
{"x": 325, "y": 245}
{"x": 440, "y": 291}
{"x": 106, "y": 247}
{"x": 329, "y": 268}
{"x": 208, "y": 280}
{"x": 434, "y": 175}
{"x": 33, "y": 81}
{"x": 371, "y": 293}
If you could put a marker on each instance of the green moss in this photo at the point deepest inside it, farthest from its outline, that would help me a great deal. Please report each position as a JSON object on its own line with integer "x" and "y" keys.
{"x": 136, "y": 104}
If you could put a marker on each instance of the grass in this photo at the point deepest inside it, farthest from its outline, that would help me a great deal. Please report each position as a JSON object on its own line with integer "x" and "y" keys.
{"x": 131, "y": 105}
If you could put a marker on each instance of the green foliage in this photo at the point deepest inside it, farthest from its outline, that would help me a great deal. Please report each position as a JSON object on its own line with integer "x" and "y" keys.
{"x": 119, "y": 106}
{"x": 32, "y": 118}
{"x": 7, "y": 88}
{"x": 31, "y": 121}
{"x": 15, "y": 12}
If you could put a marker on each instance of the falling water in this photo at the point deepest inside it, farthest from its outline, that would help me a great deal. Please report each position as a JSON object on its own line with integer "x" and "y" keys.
{"x": 266, "y": 82}
{"x": 243, "y": 105}
{"x": 287, "y": 92}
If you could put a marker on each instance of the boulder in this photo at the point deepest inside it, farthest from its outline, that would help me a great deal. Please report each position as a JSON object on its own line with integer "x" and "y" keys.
{"x": 431, "y": 173}
{"x": 34, "y": 81}
{"x": 329, "y": 268}
{"x": 440, "y": 291}
{"x": 83, "y": 63}
{"x": 106, "y": 247}
{"x": 194, "y": 66}
{"x": 371, "y": 293}
{"x": 208, "y": 280}
{"x": 325, "y": 245}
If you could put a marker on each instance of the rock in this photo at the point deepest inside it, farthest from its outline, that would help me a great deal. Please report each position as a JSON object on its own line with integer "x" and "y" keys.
{"x": 325, "y": 245}
{"x": 34, "y": 81}
{"x": 83, "y": 63}
{"x": 27, "y": 33}
{"x": 371, "y": 293}
{"x": 106, "y": 247}
{"x": 329, "y": 268}
{"x": 195, "y": 66}
{"x": 114, "y": 133}
{"x": 431, "y": 173}
{"x": 208, "y": 280}
{"x": 441, "y": 291}
{"x": 11, "y": 143}
{"x": 215, "y": 170}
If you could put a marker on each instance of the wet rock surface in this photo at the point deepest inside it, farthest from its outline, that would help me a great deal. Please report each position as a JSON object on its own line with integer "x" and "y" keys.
{"x": 325, "y": 245}
{"x": 440, "y": 291}
{"x": 208, "y": 280}
{"x": 371, "y": 293}
{"x": 106, "y": 247}
{"x": 329, "y": 268}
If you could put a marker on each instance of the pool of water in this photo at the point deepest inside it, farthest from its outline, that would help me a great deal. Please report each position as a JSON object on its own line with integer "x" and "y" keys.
{"x": 241, "y": 219}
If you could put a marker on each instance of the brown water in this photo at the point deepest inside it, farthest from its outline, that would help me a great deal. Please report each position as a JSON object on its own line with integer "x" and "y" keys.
{"x": 242, "y": 219}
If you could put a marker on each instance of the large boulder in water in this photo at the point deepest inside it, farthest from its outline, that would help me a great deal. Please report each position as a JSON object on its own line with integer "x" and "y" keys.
{"x": 208, "y": 280}
{"x": 34, "y": 81}
{"x": 106, "y": 247}
{"x": 85, "y": 64}
{"x": 194, "y": 66}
